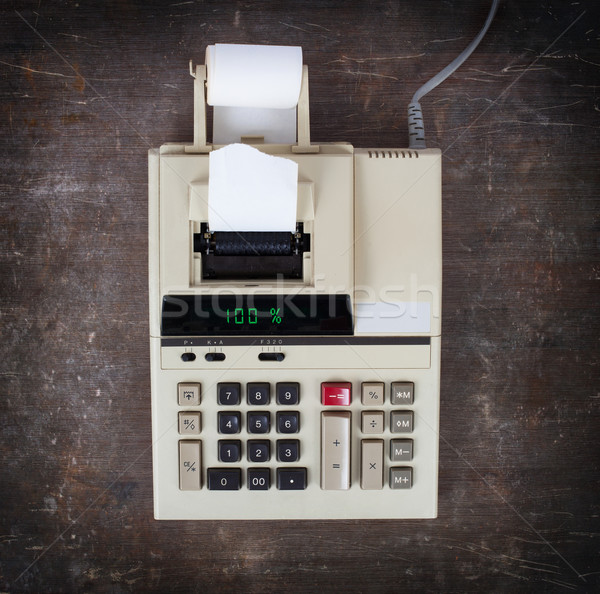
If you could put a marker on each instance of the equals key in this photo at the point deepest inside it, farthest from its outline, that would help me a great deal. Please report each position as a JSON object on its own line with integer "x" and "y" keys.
{"x": 335, "y": 450}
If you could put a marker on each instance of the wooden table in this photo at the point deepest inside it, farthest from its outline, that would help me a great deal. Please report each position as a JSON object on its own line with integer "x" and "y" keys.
{"x": 86, "y": 90}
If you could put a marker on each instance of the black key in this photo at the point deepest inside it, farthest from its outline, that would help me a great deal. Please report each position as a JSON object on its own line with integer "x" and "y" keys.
{"x": 259, "y": 451}
{"x": 228, "y": 394}
{"x": 258, "y": 393}
{"x": 229, "y": 422}
{"x": 259, "y": 479}
{"x": 288, "y": 393}
{"x": 220, "y": 479}
{"x": 288, "y": 450}
{"x": 259, "y": 422}
{"x": 230, "y": 451}
{"x": 288, "y": 422}
{"x": 291, "y": 479}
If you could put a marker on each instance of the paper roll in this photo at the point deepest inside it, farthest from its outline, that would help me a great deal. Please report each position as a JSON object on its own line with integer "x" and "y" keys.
{"x": 268, "y": 76}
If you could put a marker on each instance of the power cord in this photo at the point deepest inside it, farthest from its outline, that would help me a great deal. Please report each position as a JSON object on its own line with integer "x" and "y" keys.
{"x": 416, "y": 129}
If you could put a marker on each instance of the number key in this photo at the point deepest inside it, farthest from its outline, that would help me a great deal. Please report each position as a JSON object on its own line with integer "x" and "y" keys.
{"x": 258, "y": 393}
{"x": 288, "y": 393}
{"x": 259, "y": 422}
{"x": 259, "y": 479}
{"x": 229, "y": 422}
{"x": 259, "y": 451}
{"x": 220, "y": 479}
{"x": 228, "y": 394}
{"x": 288, "y": 422}
{"x": 230, "y": 451}
{"x": 288, "y": 450}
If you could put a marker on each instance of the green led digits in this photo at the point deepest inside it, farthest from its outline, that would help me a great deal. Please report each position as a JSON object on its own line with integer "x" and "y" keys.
{"x": 249, "y": 315}
{"x": 241, "y": 315}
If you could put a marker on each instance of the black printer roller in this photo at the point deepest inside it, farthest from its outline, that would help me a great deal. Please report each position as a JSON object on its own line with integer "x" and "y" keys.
{"x": 252, "y": 243}
{"x": 230, "y": 255}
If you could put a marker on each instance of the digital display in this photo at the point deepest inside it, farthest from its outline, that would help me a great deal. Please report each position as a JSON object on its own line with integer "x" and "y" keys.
{"x": 240, "y": 315}
{"x": 258, "y": 315}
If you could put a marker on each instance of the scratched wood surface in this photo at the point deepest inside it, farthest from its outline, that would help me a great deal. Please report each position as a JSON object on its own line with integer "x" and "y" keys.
{"x": 87, "y": 88}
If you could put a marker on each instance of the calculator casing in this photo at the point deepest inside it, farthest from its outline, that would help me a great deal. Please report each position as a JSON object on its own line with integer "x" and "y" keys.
{"x": 375, "y": 220}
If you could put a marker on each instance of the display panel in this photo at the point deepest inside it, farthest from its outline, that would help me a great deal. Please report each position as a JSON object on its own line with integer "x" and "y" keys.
{"x": 256, "y": 315}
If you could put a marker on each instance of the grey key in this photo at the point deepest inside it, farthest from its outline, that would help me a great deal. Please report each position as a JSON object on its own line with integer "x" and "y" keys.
{"x": 400, "y": 478}
{"x": 401, "y": 450}
{"x": 401, "y": 421}
{"x": 402, "y": 393}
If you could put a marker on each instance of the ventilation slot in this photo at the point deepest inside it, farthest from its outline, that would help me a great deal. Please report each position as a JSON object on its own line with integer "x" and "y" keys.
{"x": 393, "y": 154}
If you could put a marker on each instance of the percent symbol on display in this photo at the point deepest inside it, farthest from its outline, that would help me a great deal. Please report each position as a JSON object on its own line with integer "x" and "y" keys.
{"x": 275, "y": 317}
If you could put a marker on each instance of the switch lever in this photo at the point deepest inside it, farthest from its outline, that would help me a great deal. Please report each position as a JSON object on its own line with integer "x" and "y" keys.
{"x": 271, "y": 356}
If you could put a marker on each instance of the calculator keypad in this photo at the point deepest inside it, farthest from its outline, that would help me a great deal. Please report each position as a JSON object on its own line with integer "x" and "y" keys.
{"x": 270, "y": 434}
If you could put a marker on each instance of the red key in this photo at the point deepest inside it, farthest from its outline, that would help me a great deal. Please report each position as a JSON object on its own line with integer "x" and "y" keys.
{"x": 336, "y": 393}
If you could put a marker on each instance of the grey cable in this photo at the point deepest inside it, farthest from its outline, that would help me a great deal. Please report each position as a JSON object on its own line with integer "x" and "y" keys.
{"x": 416, "y": 130}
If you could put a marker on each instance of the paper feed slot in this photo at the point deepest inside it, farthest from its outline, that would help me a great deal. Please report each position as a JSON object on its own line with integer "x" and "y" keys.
{"x": 251, "y": 255}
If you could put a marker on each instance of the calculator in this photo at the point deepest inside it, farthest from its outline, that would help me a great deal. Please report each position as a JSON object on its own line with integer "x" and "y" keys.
{"x": 298, "y": 378}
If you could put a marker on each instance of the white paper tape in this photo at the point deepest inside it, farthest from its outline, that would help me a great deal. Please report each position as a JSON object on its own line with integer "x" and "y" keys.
{"x": 253, "y": 75}
{"x": 249, "y": 190}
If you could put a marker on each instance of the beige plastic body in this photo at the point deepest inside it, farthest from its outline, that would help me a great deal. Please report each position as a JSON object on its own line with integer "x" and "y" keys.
{"x": 375, "y": 223}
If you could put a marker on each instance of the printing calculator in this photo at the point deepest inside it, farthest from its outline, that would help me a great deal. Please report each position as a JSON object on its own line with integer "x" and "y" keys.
{"x": 295, "y": 375}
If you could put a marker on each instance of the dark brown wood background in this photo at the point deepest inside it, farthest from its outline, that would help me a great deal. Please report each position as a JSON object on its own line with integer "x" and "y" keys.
{"x": 87, "y": 88}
